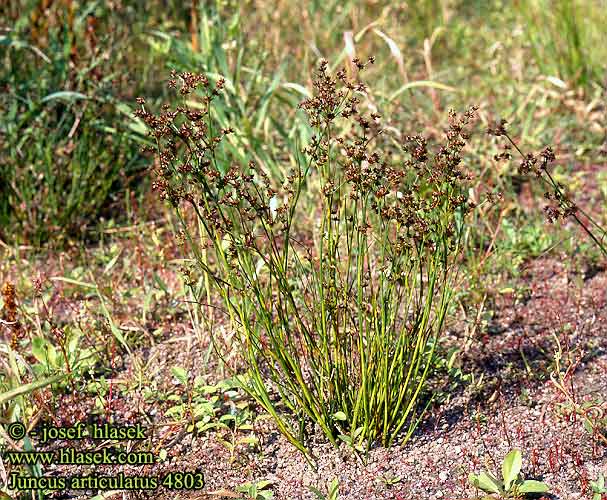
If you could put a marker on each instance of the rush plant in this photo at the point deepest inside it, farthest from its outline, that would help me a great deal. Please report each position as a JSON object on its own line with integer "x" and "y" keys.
{"x": 336, "y": 277}
{"x": 562, "y": 206}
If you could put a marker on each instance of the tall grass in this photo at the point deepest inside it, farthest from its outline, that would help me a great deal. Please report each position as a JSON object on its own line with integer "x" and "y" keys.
{"x": 66, "y": 155}
{"x": 567, "y": 38}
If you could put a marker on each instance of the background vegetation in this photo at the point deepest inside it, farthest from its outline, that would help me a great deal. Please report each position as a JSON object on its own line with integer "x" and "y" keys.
{"x": 86, "y": 239}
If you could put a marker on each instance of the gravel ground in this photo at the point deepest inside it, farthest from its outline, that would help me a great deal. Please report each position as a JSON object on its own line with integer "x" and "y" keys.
{"x": 514, "y": 406}
{"x": 510, "y": 403}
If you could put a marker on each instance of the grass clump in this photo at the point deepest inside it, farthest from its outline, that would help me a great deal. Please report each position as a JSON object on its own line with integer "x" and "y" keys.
{"x": 337, "y": 320}
{"x": 66, "y": 154}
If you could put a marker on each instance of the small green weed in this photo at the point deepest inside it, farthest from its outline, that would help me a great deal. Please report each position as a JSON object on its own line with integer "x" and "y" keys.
{"x": 390, "y": 480}
{"x": 213, "y": 407}
{"x": 332, "y": 491}
{"x": 598, "y": 488}
{"x": 256, "y": 491}
{"x": 53, "y": 355}
{"x": 511, "y": 485}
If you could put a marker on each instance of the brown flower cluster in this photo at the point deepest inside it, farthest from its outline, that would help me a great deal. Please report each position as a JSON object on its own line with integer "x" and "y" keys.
{"x": 184, "y": 142}
{"x": 562, "y": 206}
{"x": 232, "y": 200}
{"x": 10, "y": 318}
{"x": 413, "y": 200}
{"x": 414, "y": 196}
